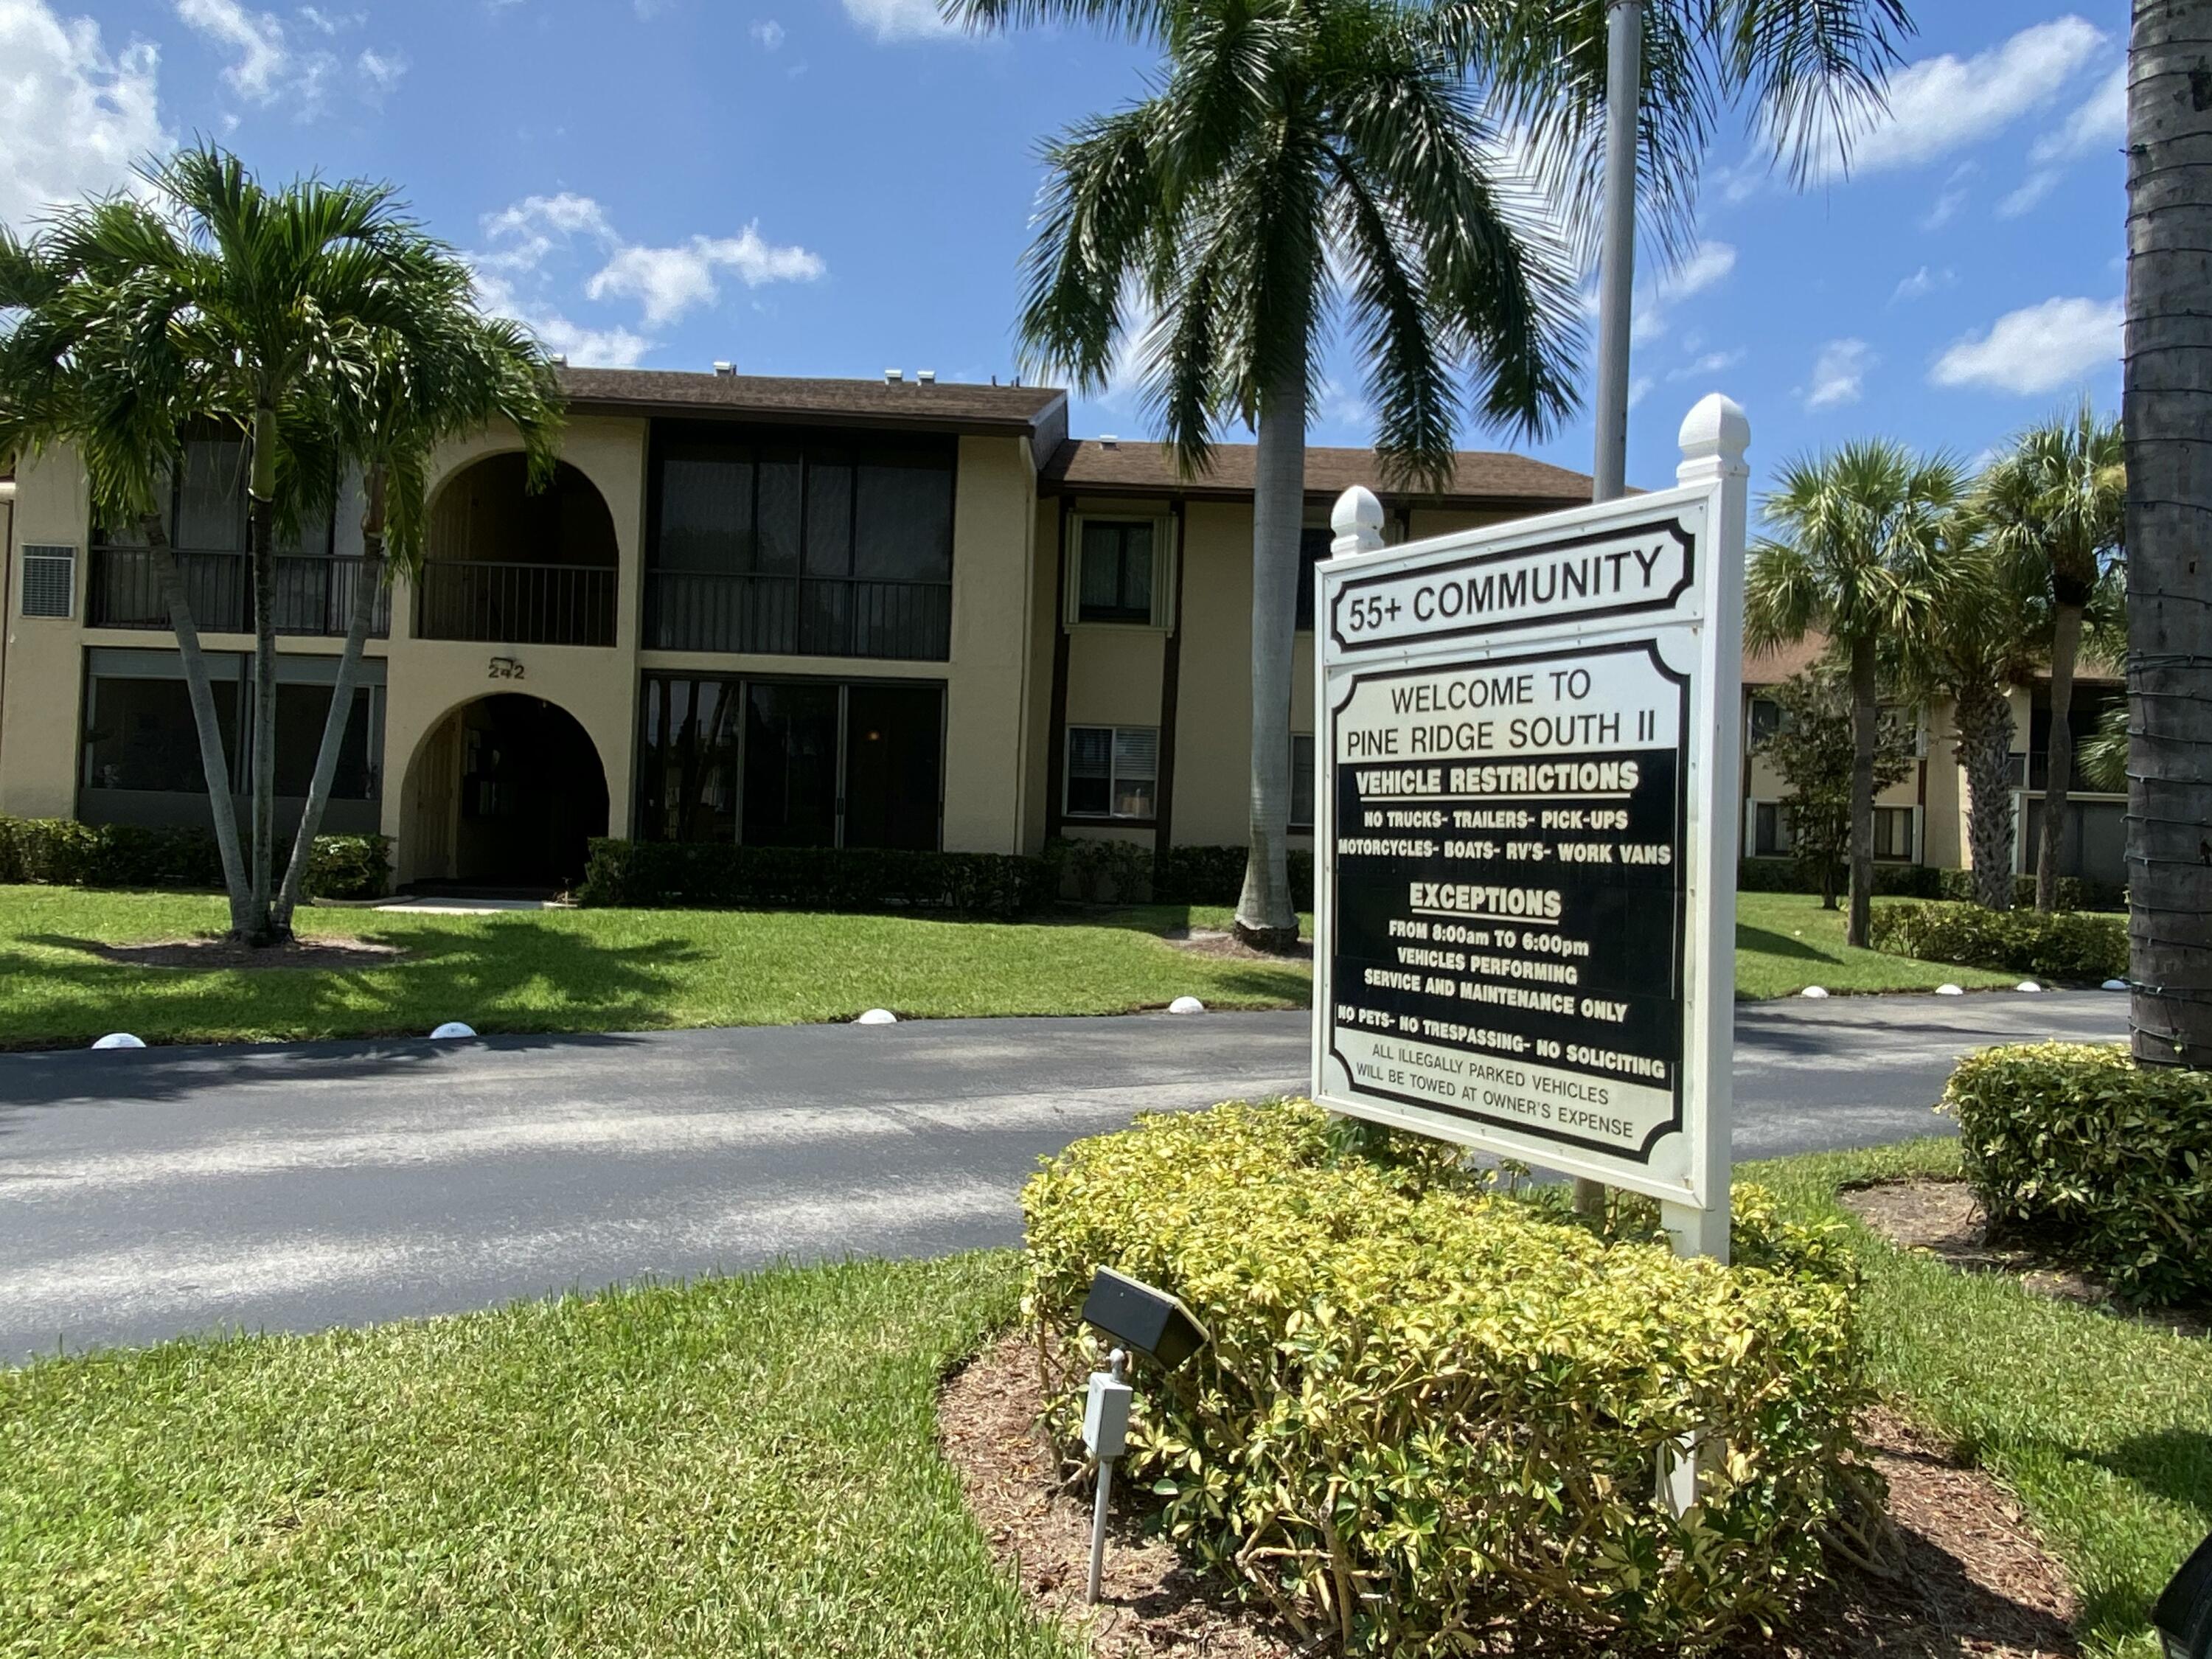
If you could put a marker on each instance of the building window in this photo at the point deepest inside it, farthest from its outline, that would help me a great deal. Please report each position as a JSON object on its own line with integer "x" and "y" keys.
{"x": 1770, "y": 836}
{"x": 780, "y": 762}
{"x": 1113, "y": 771}
{"x": 1314, "y": 542}
{"x": 1302, "y": 782}
{"x": 1116, "y": 567}
{"x": 1766, "y": 719}
{"x": 1892, "y": 833}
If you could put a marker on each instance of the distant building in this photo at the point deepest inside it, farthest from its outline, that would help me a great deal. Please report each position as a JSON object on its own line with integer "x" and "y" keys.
{"x": 896, "y": 613}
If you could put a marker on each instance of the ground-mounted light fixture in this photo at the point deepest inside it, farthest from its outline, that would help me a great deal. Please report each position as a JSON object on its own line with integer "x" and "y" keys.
{"x": 2183, "y": 1617}
{"x": 1152, "y": 1323}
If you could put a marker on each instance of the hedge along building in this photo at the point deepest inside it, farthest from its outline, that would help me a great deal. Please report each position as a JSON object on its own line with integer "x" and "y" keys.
{"x": 896, "y": 613}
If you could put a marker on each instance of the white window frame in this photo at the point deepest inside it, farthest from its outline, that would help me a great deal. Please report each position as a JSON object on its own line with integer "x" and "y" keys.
{"x": 1165, "y": 552}
{"x": 1113, "y": 758}
{"x": 1913, "y": 833}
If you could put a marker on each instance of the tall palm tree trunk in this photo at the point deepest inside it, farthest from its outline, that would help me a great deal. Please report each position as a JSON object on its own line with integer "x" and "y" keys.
{"x": 2165, "y": 410}
{"x": 367, "y": 580}
{"x": 1984, "y": 749}
{"x": 1266, "y": 917}
{"x": 215, "y": 765}
{"x": 262, "y": 534}
{"x": 1865, "y": 718}
{"x": 2058, "y": 763}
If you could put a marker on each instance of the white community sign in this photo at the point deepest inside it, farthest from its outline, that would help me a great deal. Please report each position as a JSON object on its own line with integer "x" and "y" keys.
{"x": 1529, "y": 741}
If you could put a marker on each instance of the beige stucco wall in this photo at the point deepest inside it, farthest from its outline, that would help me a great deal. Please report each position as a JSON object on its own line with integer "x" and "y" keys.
{"x": 44, "y": 669}
{"x": 987, "y": 701}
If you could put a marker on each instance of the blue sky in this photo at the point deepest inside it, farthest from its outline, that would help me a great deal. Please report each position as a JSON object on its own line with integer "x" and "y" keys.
{"x": 838, "y": 186}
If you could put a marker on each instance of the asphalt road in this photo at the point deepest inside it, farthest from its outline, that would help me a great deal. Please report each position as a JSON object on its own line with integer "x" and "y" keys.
{"x": 148, "y": 1194}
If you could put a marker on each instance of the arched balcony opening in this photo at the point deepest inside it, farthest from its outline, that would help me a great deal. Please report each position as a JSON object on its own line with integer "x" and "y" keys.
{"x": 509, "y": 566}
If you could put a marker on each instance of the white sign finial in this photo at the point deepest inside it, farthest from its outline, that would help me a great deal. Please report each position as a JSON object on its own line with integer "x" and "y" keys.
{"x": 1714, "y": 436}
{"x": 1357, "y": 519}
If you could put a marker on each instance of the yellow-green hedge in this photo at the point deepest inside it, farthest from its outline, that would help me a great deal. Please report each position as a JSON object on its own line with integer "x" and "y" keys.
{"x": 1443, "y": 1407}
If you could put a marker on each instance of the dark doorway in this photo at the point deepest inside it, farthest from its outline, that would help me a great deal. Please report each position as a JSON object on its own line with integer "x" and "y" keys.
{"x": 532, "y": 794}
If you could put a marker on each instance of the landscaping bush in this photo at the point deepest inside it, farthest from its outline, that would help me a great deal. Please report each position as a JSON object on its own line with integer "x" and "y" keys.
{"x": 62, "y": 851}
{"x": 718, "y": 874}
{"x": 1430, "y": 1415}
{"x": 2075, "y": 892}
{"x": 1101, "y": 871}
{"x": 1215, "y": 875}
{"x": 1758, "y": 875}
{"x": 2108, "y": 1162}
{"x": 2065, "y": 946}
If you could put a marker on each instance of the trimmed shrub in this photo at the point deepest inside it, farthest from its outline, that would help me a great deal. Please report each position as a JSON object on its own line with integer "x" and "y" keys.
{"x": 2065, "y": 946}
{"x": 62, "y": 851}
{"x": 1099, "y": 872}
{"x": 720, "y": 875}
{"x": 1215, "y": 875}
{"x": 2106, "y": 1161}
{"x": 1431, "y": 1414}
{"x": 2075, "y": 892}
{"x": 1758, "y": 875}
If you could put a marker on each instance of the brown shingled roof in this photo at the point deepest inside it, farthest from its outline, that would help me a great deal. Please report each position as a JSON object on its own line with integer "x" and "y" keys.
{"x": 1791, "y": 657}
{"x": 945, "y": 405}
{"x": 1089, "y": 465}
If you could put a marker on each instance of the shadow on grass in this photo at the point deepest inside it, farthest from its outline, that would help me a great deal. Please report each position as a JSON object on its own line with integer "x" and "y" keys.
{"x": 2174, "y": 1463}
{"x": 496, "y": 978}
{"x": 1770, "y": 943}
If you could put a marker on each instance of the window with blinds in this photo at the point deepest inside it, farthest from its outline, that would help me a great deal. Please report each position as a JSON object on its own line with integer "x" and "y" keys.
{"x": 1113, "y": 771}
{"x": 49, "y": 580}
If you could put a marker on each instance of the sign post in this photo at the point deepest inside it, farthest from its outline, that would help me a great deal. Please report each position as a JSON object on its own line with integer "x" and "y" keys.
{"x": 1530, "y": 747}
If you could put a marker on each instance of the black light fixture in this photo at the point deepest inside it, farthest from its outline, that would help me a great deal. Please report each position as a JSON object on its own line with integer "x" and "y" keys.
{"x": 2183, "y": 1616}
{"x": 1138, "y": 1316}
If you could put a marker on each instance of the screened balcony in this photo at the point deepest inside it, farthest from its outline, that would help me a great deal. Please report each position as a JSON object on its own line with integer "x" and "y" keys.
{"x": 507, "y": 567}
{"x": 819, "y": 546}
{"x": 314, "y": 592}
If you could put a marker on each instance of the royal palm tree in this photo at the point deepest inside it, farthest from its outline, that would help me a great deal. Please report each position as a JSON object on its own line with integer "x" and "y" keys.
{"x": 1297, "y": 162}
{"x": 1858, "y": 554}
{"x": 318, "y": 324}
{"x": 2052, "y": 506}
{"x": 2169, "y": 525}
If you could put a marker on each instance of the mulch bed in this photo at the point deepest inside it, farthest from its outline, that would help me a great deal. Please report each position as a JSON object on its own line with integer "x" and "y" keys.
{"x": 1942, "y": 1219}
{"x": 1974, "y": 1582}
{"x": 214, "y": 954}
{"x": 1212, "y": 942}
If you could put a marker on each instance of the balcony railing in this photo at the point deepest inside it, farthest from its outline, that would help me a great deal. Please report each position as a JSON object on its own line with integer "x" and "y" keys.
{"x": 314, "y": 594}
{"x": 798, "y": 615}
{"x": 515, "y": 604}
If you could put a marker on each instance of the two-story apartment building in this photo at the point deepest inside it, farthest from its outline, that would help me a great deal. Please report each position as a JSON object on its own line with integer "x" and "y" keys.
{"x": 896, "y": 613}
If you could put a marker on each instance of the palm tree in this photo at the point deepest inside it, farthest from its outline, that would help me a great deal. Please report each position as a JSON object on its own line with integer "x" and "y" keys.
{"x": 1858, "y": 555}
{"x": 2169, "y": 525}
{"x": 2053, "y": 507}
{"x": 318, "y": 323}
{"x": 1297, "y": 159}
{"x": 1984, "y": 635}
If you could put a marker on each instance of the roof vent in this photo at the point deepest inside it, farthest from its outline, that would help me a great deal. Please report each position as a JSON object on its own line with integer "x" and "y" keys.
{"x": 725, "y": 371}
{"x": 560, "y": 360}
{"x": 927, "y": 376}
{"x": 1108, "y": 440}
{"x": 892, "y": 376}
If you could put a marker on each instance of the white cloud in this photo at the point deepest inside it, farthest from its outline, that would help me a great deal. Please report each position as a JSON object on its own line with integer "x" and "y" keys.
{"x": 583, "y": 346}
{"x": 768, "y": 32}
{"x": 1947, "y": 206}
{"x": 256, "y": 37}
{"x": 73, "y": 119}
{"x": 1839, "y": 373}
{"x": 667, "y": 281}
{"x": 380, "y": 69}
{"x": 524, "y": 231}
{"x": 899, "y": 20}
{"x": 2030, "y": 191}
{"x": 1705, "y": 265}
{"x": 1922, "y": 282}
{"x": 1639, "y": 389}
{"x": 1713, "y": 362}
{"x": 1939, "y": 105}
{"x": 2101, "y": 119}
{"x": 2035, "y": 348}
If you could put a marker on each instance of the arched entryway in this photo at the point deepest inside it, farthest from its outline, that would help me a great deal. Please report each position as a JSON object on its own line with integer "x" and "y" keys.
{"x": 506, "y": 564}
{"x": 505, "y": 793}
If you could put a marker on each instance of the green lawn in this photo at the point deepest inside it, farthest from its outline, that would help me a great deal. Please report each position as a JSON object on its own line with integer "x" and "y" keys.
{"x": 2102, "y": 1427}
{"x": 747, "y": 1466}
{"x": 589, "y": 970}
{"x": 601, "y": 970}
